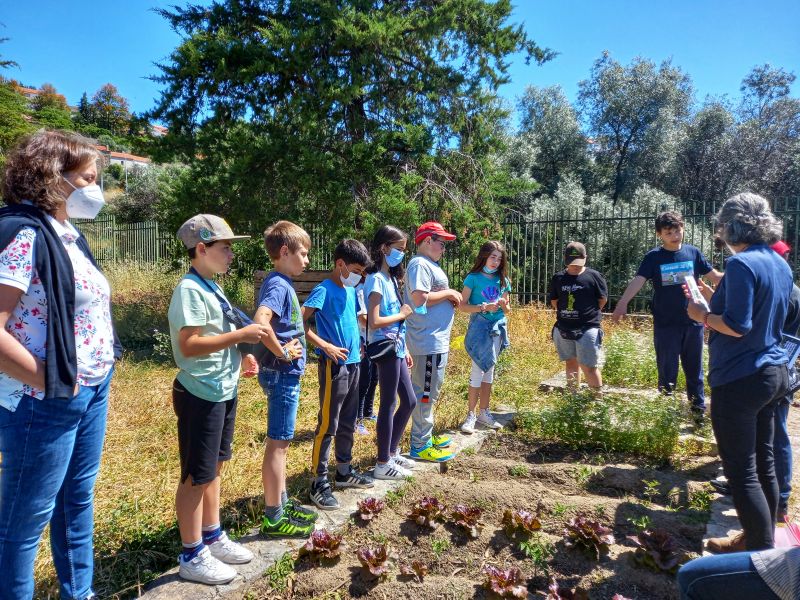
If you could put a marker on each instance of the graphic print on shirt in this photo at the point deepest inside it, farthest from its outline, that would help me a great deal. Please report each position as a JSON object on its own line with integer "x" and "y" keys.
{"x": 569, "y": 311}
{"x": 491, "y": 293}
{"x": 674, "y": 273}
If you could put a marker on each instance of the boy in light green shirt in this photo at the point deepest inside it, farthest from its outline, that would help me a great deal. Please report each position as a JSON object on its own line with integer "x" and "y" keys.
{"x": 204, "y": 334}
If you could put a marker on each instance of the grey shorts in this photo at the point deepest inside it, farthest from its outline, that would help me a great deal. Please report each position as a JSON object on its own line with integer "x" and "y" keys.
{"x": 587, "y": 349}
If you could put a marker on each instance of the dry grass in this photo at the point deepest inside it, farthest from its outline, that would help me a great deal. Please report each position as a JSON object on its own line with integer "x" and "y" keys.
{"x": 136, "y": 535}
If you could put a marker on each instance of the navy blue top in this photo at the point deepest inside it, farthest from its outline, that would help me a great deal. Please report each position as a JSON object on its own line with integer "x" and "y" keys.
{"x": 337, "y": 317}
{"x": 753, "y": 299}
{"x": 666, "y": 270}
{"x": 278, "y": 295}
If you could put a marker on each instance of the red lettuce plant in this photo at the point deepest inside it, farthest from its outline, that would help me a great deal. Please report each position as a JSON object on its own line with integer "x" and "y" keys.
{"x": 589, "y": 535}
{"x": 468, "y": 518}
{"x": 375, "y": 560}
{"x": 506, "y": 583}
{"x": 417, "y": 569}
{"x": 523, "y": 521}
{"x": 322, "y": 545}
{"x": 555, "y": 592}
{"x": 369, "y": 508}
{"x": 427, "y": 511}
{"x": 658, "y": 550}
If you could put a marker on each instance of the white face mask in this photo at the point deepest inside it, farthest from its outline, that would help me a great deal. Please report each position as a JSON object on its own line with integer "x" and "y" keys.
{"x": 352, "y": 280}
{"x": 84, "y": 202}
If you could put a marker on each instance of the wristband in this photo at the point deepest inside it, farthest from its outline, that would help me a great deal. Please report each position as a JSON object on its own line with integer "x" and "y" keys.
{"x": 286, "y": 355}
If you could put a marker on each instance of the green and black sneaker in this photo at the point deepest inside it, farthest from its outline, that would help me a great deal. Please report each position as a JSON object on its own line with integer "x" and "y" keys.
{"x": 286, "y": 526}
{"x": 294, "y": 509}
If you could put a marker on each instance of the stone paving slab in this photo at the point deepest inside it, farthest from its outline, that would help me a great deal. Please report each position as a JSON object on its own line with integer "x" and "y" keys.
{"x": 170, "y": 587}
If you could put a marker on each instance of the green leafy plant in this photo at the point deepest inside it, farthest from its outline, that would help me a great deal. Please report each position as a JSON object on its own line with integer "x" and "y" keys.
{"x": 369, "y": 508}
{"x": 322, "y": 545}
{"x": 439, "y": 546}
{"x": 467, "y": 518}
{"x": 650, "y": 490}
{"x": 583, "y": 474}
{"x": 588, "y": 535}
{"x": 427, "y": 511}
{"x": 658, "y": 550}
{"x": 506, "y": 583}
{"x": 280, "y": 572}
{"x": 560, "y": 509}
{"x": 700, "y": 500}
{"x": 518, "y": 471}
{"x": 641, "y": 523}
{"x": 539, "y": 550}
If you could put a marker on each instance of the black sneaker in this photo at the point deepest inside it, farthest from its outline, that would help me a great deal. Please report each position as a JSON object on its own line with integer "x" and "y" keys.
{"x": 294, "y": 509}
{"x": 353, "y": 479}
{"x": 721, "y": 487}
{"x": 286, "y": 526}
{"x": 322, "y": 495}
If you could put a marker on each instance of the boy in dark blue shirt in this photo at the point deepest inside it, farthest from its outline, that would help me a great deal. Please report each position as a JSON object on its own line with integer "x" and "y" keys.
{"x": 333, "y": 303}
{"x": 675, "y": 335}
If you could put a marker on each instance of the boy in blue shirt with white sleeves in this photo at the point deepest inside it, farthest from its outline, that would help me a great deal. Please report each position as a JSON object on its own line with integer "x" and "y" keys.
{"x": 334, "y": 306}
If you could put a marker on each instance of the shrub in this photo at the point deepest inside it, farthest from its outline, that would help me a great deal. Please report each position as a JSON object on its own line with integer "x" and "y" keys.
{"x": 643, "y": 425}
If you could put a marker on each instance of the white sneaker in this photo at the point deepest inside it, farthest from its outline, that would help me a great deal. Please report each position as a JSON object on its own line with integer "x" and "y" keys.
{"x": 391, "y": 470}
{"x": 401, "y": 461}
{"x": 229, "y": 552}
{"x": 468, "y": 426}
{"x": 486, "y": 419}
{"x": 204, "y": 568}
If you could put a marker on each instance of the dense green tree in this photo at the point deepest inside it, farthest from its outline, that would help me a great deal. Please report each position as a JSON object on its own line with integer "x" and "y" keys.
{"x": 318, "y": 109}
{"x": 634, "y": 114}
{"x": 549, "y": 126}
{"x": 50, "y": 108}
{"x": 14, "y": 116}
{"x": 109, "y": 110}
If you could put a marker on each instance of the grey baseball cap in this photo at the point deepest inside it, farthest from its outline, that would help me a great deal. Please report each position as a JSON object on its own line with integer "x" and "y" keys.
{"x": 207, "y": 228}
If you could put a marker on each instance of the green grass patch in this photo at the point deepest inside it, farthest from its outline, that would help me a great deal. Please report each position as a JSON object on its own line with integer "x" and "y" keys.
{"x": 641, "y": 425}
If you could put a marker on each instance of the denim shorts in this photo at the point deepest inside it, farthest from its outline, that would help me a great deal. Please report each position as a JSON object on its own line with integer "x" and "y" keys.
{"x": 283, "y": 397}
{"x": 587, "y": 349}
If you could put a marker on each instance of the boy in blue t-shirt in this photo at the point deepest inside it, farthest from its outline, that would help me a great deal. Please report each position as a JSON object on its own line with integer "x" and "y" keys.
{"x": 287, "y": 245}
{"x": 334, "y": 306}
{"x": 675, "y": 335}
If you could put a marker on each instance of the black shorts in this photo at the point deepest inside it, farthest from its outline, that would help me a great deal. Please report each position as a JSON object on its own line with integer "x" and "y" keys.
{"x": 205, "y": 433}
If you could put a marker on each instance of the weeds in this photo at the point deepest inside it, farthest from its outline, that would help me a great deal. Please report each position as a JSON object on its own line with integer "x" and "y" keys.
{"x": 539, "y": 550}
{"x": 700, "y": 500}
{"x": 518, "y": 471}
{"x": 279, "y": 573}
{"x": 439, "y": 546}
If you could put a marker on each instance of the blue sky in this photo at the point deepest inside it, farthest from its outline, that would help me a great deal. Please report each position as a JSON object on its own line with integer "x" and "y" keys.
{"x": 79, "y": 47}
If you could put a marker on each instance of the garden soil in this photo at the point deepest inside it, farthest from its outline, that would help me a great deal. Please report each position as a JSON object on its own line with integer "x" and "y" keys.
{"x": 510, "y": 473}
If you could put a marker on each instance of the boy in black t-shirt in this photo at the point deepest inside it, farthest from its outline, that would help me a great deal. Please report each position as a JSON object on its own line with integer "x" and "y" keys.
{"x": 578, "y": 294}
{"x": 675, "y": 335}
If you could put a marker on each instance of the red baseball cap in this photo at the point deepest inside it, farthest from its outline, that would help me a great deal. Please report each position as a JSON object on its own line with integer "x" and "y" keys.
{"x": 781, "y": 247}
{"x": 432, "y": 228}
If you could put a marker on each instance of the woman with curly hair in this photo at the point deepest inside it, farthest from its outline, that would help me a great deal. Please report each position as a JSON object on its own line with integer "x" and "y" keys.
{"x": 57, "y": 352}
{"x": 747, "y": 365}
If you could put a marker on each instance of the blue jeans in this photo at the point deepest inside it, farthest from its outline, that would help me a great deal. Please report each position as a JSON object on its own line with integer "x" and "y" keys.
{"x": 728, "y": 576}
{"x": 283, "y": 398}
{"x": 50, "y": 457}
{"x": 782, "y": 449}
{"x": 684, "y": 342}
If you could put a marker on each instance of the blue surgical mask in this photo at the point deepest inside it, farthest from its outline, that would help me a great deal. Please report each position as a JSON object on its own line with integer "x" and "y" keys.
{"x": 395, "y": 257}
{"x": 489, "y": 271}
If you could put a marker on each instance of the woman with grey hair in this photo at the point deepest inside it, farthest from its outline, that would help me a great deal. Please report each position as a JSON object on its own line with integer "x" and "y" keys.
{"x": 747, "y": 365}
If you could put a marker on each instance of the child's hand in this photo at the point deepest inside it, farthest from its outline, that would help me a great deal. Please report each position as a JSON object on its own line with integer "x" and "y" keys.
{"x": 253, "y": 333}
{"x": 454, "y": 297}
{"x": 409, "y": 361}
{"x": 335, "y": 353}
{"x": 503, "y": 303}
{"x": 249, "y": 366}
{"x": 406, "y": 310}
{"x": 492, "y": 307}
{"x": 295, "y": 348}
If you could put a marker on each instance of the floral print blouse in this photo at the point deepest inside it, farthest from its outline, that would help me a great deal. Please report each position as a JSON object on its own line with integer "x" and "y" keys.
{"x": 94, "y": 337}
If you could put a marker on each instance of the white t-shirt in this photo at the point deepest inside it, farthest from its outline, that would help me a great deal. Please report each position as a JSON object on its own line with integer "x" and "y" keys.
{"x": 94, "y": 334}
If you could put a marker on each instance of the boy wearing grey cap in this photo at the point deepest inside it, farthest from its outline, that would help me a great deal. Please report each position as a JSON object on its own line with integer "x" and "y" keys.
{"x": 204, "y": 334}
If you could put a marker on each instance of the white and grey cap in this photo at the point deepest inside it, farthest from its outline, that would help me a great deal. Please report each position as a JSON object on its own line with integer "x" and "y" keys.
{"x": 207, "y": 228}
